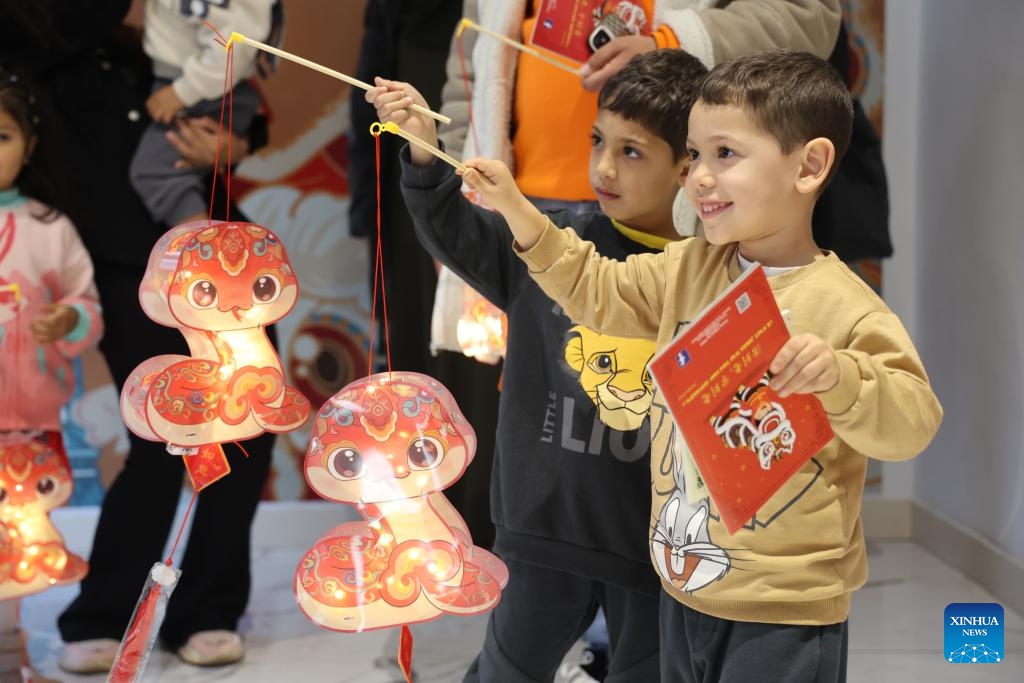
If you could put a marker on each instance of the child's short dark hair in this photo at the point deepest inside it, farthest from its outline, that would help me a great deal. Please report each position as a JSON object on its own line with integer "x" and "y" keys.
{"x": 656, "y": 89}
{"x": 793, "y": 96}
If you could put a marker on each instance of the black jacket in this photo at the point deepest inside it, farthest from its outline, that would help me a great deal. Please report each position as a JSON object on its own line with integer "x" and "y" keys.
{"x": 566, "y": 491}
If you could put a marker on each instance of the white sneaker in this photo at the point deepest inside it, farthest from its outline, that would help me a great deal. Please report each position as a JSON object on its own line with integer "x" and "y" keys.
{"x": 212, "y": 648}
{"x": 88, "y": 656}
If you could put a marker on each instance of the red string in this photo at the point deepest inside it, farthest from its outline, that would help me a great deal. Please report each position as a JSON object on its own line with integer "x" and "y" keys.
{"x": 376, "y": 264}
{"x": 177, "y": 539}
{"x": 220, "y": 129}
{"x": 231, "y": 129}
{"x": 378, "y": 275}
{"x": 241, "y": 448}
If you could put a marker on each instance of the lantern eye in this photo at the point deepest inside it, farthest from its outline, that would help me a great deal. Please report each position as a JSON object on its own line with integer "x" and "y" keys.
{"x": 3, "y": 494}
{"x": 266, "y": 289}
{"x": 202, "y": 294}
{"x": 424, "y": 453}
{"x": 346, "y": 463}
{"x": 46, "y": 486}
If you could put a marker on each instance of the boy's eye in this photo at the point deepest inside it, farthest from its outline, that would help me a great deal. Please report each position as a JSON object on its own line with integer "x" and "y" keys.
{"x": 595, "y": 139}
{"x": 724, "y": 152}
{"x": 631, "y": 152}
{"x": 694, "y": 154}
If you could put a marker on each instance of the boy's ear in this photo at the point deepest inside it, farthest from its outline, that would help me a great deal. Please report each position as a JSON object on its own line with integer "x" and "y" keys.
{"x": 684, "y": 169}
{"x": 816, "y": 160}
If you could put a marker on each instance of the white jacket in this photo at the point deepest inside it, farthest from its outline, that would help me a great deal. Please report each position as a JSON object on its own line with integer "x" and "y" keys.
{"x": 183, "y": 48}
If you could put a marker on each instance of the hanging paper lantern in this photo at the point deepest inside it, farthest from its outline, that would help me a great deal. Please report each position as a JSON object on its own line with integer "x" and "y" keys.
{"x": 482, "y": 328}
{"x": 219, "y": 283}
{"x": 34, "y": 479}
{"x": 389, "y": 444}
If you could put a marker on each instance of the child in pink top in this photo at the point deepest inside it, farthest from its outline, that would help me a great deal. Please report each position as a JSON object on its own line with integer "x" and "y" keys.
{"x": 49, "y": 313}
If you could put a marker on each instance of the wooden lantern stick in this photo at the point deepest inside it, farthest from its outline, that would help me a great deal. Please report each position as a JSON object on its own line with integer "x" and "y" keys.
{"x": 392, "y": 127}
{"x": 239, "y": 38}
{"x": 469, "y": 23}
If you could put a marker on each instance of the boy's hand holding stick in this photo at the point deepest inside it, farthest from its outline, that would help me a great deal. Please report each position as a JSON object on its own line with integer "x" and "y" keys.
{"x": 394, "y": 102}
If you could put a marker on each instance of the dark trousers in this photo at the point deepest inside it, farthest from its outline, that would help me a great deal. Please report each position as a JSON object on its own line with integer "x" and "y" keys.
{"x": 699, "y": 648}
{"x": 544, "y": 611}
{"x": 138, "y": 510}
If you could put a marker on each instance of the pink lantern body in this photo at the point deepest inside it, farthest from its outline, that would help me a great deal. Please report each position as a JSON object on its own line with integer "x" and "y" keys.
{"x": 34, "y": 479}
{"x": 220, "y": 283}
{"x": 389, "y": 444}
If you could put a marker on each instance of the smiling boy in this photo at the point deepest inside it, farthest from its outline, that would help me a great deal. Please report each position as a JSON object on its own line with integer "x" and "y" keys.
{"x": 770, "y": 602}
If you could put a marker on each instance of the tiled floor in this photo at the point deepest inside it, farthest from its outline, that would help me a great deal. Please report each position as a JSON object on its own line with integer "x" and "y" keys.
{"x": 896, "y": 633}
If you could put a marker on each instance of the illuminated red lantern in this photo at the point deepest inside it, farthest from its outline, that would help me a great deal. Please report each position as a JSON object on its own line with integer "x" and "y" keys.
{"x": 389, "y": 444}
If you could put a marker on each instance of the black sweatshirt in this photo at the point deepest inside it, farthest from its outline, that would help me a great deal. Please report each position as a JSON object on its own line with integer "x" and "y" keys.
{"x": 567, "y": 492}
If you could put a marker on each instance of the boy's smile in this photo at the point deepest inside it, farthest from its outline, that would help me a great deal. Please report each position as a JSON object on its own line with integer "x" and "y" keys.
{"x": 633, "y": 174}
{"x": 744, "y": 186}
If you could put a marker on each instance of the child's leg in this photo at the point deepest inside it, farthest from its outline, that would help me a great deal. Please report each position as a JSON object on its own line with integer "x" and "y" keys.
{"x": 541, "y": 614}
{"x": 700, "y": 648}
{"x": 12, "y": 654}
{"x": 632, "y": 618}
{"x": 171, "y": 194}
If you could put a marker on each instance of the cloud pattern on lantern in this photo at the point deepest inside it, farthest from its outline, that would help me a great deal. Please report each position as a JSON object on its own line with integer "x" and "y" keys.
{"x": 388, "y": 444}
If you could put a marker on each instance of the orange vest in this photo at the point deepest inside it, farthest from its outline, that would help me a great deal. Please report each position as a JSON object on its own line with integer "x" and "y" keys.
{"x": 552, "y": 115}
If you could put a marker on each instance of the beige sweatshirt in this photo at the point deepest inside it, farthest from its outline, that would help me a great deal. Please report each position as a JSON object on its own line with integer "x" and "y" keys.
{"x": 803, "y": 555}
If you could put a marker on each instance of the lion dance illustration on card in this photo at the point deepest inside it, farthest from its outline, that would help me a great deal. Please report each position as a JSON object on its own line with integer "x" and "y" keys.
{"x": 756, "y": 421}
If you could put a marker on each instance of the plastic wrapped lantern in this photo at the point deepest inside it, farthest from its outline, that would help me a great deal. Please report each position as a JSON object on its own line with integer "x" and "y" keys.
{"x": 465, "y": 322}
{"x": 219, "y": 283}
{"x": 34, "y": 479}
{"x": 389, "y": 444}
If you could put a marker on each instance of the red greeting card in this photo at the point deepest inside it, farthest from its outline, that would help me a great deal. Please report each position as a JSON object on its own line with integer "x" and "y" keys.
{"x": 576, "y": 28}
{"x": 745, "y": 440}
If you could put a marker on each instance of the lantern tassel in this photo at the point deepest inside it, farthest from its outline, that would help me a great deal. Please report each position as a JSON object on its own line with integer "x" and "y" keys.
{"x": 137, "y": 644}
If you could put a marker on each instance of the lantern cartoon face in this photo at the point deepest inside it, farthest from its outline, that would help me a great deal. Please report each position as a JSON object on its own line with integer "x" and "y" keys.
{"x": 34, "y": 479}
{"x": 219, "y": 283}
{"x": 379, "y": 440}
{"x": 232, "y": 277}
{"x": 389, "y": 444}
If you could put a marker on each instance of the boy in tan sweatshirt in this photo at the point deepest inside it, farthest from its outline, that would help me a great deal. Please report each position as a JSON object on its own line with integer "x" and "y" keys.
{"x": 770, "y": 602}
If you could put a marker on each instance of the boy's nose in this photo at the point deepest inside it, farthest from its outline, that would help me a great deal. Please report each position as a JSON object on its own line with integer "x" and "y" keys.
{"x": 699, "y": 176}
{"x": 605, "y": 168}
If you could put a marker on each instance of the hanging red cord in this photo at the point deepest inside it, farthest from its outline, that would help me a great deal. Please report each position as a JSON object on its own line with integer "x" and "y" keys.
{"x": 378, "y": 270}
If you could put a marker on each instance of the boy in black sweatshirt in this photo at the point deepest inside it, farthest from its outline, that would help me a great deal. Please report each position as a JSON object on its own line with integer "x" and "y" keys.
{"x": 570, "y": 492}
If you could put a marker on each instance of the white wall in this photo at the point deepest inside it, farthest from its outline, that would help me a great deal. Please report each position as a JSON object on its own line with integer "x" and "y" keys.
{"x": 954, "y": 148}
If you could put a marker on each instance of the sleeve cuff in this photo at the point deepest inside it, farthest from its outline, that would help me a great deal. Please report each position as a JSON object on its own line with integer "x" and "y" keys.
{"x": 843, "y": 395}
{"x": 185, "y": 92}
{"x": 665, "y": 37}
{"x": 424, "y": 177}
{"x": 551, "y": 246}
{"x": 81, "y": 329}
